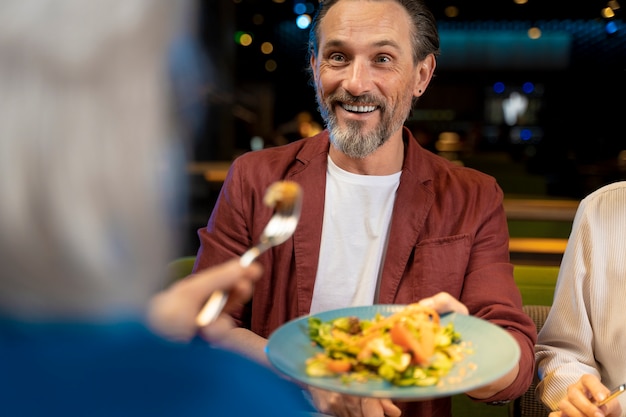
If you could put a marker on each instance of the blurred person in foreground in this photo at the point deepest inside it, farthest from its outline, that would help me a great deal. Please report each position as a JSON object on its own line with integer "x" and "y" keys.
{"x": 87, "y": 193}
{"x": 581, "y": 349}
{"x": 383, "y": 220}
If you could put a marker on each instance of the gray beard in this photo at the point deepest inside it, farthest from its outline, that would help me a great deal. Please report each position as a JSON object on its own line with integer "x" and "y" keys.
{"x": 351, "y": 140}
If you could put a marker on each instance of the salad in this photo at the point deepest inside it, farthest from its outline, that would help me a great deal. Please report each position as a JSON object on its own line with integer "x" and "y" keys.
{"x": 407, "y": 348}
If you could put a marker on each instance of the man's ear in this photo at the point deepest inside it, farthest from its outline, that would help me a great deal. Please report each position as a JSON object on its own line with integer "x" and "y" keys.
{"x": 424, "y": 73}
{"x": 313, "y": 64}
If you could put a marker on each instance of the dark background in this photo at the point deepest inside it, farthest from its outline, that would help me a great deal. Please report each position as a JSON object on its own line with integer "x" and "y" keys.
{"x": 573, "y": 125}
{"x": 577, "y": 67}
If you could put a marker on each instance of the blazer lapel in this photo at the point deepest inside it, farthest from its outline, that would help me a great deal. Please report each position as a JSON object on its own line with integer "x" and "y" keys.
{"x": 312, "y": 178}
{"x": 414, "y": 200}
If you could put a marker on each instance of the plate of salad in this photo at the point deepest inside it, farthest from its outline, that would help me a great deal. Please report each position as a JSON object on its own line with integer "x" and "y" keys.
{"x": 404, "y": 352}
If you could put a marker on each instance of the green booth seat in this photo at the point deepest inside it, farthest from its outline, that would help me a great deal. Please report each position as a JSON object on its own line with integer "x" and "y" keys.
{"x": 536, "y": 283}
{"x": 180, "y": 268}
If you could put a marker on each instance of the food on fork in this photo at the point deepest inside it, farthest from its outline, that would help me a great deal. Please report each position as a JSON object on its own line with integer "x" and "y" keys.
{"x": 408, "y": 348}
{"x": 282, "y": 193}
{"x": 286, "y": 198}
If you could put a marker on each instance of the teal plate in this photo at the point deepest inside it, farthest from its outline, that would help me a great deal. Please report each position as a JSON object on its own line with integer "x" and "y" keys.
{"x": 494, "y": 352}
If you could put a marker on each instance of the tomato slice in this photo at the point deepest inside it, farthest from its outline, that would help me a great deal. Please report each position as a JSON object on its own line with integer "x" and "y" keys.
{"x": 402, "y": 336}
{"x": 338, "y": 366}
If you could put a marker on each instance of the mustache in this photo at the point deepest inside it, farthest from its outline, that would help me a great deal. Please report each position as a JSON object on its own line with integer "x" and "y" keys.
{"x": 345, "y": 97}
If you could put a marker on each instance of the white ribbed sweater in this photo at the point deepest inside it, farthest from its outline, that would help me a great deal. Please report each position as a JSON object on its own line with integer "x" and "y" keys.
{"x": 586, "y": 329}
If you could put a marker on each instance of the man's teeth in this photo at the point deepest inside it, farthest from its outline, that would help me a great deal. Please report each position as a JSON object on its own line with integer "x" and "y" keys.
{"x": 358, "y": 109}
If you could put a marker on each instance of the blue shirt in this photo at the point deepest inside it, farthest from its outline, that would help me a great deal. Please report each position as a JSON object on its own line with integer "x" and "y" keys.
{"x": 122, "y": 369}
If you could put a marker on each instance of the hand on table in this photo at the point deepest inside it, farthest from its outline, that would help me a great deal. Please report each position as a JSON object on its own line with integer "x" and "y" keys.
{"x": 581, "y": 397}
{"x": 172, "y": 312}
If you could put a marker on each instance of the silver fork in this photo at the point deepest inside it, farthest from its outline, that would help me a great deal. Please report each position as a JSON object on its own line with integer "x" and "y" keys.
{"x": 280, "y": 228}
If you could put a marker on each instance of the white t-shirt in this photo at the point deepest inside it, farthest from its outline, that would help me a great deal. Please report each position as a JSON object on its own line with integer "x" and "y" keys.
{"x": 357, "y": 213}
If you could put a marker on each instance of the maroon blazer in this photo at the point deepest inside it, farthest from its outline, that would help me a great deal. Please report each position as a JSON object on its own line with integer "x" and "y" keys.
{"x": 448, "y": 233}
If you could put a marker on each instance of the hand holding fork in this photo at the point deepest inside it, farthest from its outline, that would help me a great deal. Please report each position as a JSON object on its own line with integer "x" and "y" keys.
{"x": 286, "y": 198}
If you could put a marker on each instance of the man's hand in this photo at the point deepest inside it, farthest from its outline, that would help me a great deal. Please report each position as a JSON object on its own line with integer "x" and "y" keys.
{"x": 341, "y": 405}
{"x": 444, "y": 303}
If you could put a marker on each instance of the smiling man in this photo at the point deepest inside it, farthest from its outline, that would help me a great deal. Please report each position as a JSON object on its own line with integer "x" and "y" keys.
{"x": 383, "y": 220}
{"x": 366, "y": 81}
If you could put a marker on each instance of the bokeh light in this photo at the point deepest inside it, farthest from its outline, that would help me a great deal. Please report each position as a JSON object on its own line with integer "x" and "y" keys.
{"x": 258, "y": 19}
{"x": 525, "y": 134}
{"x": 299, "y": 8}
{"x": 267, "y": 48}
{"x": 611, "y": 27}
{"x": 528, "y": 87}
{"x": 451, "y": 11}
{"x": 271, "y": 65}
{"x": 608, "y": 13}
{"x": 303, "y": 21}
{"x": 534, "y": 33}
{"x": 243, "y": 38}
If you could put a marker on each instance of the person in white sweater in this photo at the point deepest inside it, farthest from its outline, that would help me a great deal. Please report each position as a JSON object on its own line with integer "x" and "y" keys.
{"x": 581, "y": 349}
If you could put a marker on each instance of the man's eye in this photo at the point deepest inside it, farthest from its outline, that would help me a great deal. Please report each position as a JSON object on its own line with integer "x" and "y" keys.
{"x": 337, "y": 58}
{"x": 382, "y": 59}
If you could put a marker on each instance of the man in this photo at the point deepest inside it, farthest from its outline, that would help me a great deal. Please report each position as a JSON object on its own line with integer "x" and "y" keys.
{"x": 383, "y": 220}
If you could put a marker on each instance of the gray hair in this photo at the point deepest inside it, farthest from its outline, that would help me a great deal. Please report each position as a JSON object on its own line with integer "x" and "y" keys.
{"x": 424, "y": 36}
{"x": 84, "y": 155}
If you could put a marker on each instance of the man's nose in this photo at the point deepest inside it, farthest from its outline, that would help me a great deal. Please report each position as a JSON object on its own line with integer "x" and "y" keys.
{"x": 358, "y": 78}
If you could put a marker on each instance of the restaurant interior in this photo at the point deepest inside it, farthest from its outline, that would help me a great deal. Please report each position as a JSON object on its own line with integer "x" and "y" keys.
{"x": 528, "y": 91}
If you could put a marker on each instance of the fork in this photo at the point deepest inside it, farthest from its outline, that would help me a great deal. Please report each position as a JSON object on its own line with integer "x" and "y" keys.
{"x": 286, "y": 197}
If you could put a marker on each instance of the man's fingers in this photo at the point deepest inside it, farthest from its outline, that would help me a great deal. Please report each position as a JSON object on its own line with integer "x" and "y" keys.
{"x": 444, "y": 303}
{"x": 390, "y": 409}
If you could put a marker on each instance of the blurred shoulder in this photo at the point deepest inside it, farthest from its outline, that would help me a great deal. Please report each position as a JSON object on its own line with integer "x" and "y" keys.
{"x": 614, "y": 192}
